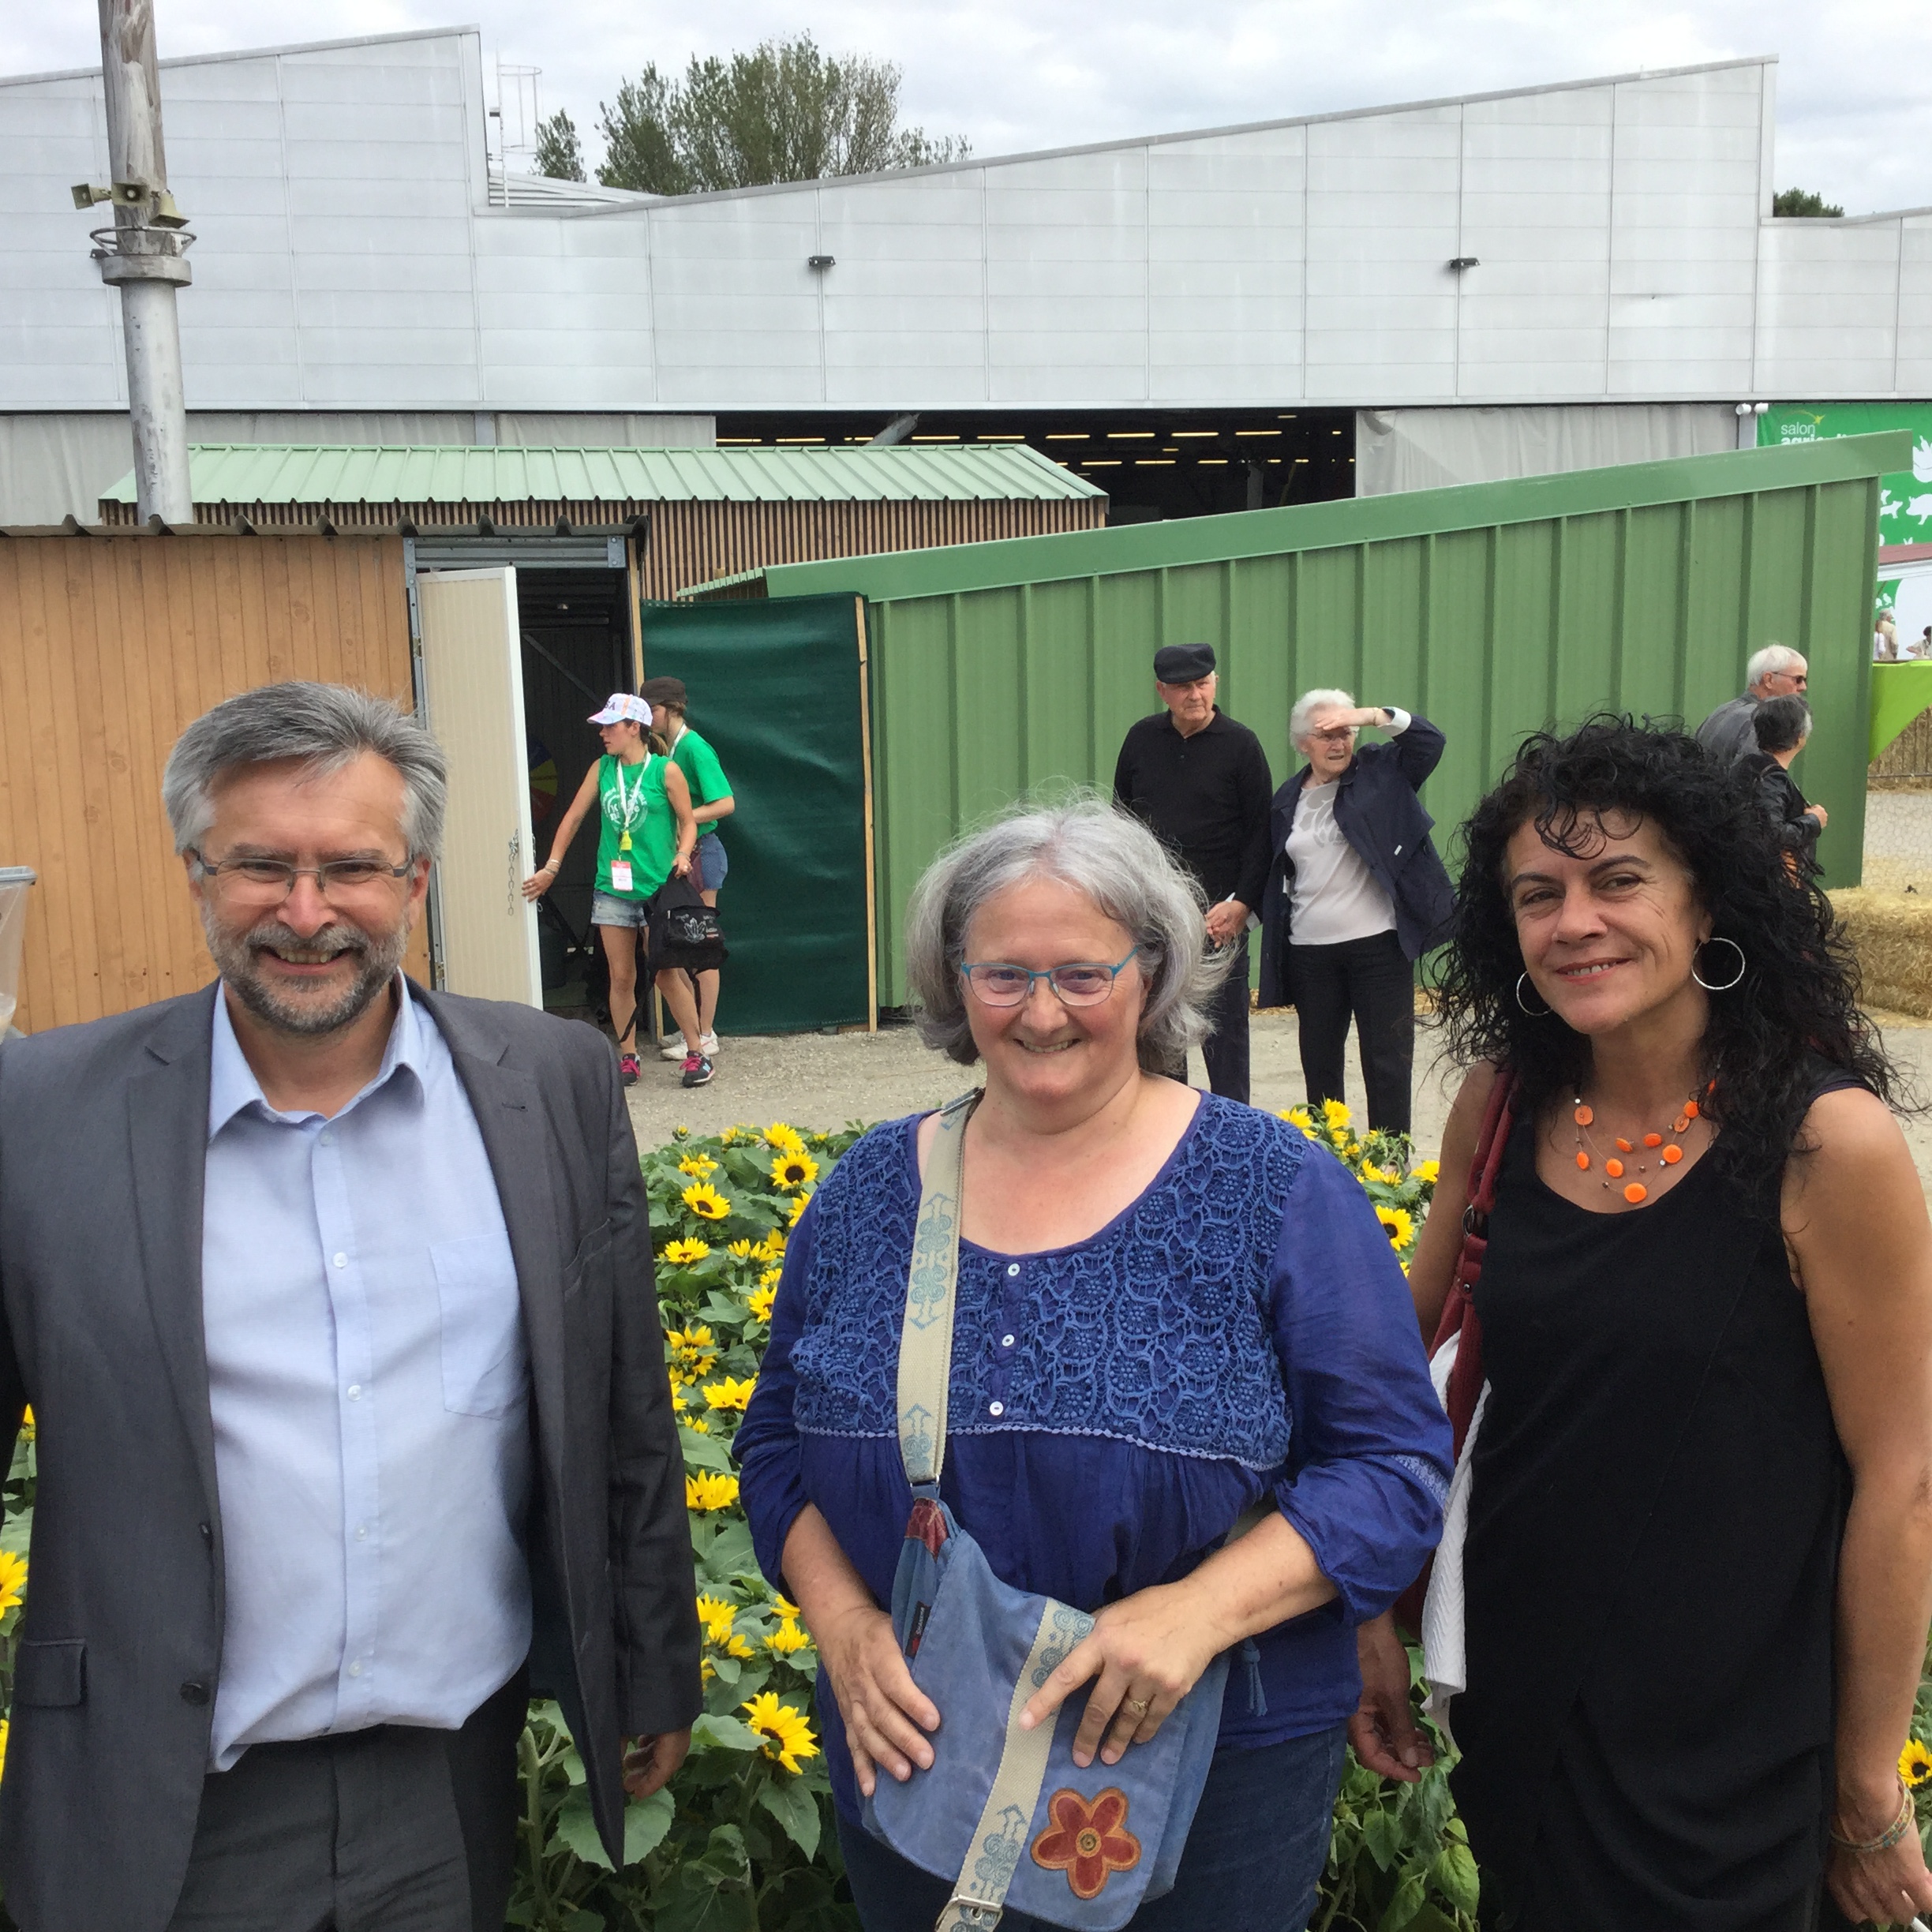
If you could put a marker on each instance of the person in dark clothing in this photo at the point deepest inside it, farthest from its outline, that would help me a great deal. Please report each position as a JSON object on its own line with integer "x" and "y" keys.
{"x": 1355, "y": 896}
{"x": 1782, "y": 726}
{"x": 1777, "y": 671}
{"x": 1697, "y": 1564}
{"x": 1201, "y": 782}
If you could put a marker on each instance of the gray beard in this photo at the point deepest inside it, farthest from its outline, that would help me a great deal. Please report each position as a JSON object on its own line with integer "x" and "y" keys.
{"x": 308, "y": 1016}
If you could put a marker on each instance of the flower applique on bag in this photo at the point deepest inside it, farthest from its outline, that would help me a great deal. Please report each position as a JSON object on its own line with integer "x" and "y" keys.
{"x": 1005, "y": 1815}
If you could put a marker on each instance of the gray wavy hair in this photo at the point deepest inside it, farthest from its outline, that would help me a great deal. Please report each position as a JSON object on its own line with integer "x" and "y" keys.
{"x": 1099, "y": 850}
{"x": 324, "y": 727}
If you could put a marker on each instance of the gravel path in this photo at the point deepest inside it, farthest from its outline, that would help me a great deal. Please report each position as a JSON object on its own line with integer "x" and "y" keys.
{"x": 814, "y": 1081}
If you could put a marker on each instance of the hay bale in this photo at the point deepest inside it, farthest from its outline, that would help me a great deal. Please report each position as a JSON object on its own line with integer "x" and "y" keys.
{"x": 1892, "y": 933}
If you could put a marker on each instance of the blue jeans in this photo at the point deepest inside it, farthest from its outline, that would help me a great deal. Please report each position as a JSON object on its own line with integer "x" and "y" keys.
{"x": 713, "y": 862}
{"x": 1257, "y": 1847}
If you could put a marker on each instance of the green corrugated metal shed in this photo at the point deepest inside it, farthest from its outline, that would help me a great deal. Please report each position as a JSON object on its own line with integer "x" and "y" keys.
{"x": 237, "y": 472}
{"x": 1494, "y": 609}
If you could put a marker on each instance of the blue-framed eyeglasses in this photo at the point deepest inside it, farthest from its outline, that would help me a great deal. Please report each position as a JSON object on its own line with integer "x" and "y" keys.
{"x": 1080, "y": 982}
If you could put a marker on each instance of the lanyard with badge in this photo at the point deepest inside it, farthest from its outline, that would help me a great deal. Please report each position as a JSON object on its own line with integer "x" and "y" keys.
{"x": 629, "y": 804}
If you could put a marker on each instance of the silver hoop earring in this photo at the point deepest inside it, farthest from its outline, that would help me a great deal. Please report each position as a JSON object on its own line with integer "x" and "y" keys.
{"x": 1535, "y": 1012}
{"x": 1735, "y": 978}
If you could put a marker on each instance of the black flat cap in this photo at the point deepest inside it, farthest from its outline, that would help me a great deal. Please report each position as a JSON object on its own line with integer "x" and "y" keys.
{"x": 1181, "y": 663}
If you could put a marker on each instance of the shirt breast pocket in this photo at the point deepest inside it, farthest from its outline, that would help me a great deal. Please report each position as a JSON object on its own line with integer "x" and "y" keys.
{"x": 483, "y": 1372}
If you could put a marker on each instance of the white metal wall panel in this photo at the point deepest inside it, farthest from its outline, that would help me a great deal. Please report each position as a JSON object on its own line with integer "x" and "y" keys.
{"x": 349, "y": 258}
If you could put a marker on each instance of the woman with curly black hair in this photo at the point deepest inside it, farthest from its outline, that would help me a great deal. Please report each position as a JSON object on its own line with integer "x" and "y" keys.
{"x": 1698, "y": 1563}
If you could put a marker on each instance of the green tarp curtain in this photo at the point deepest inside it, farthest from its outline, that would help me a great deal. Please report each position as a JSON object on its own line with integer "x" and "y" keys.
{"x": 775, "y": 687}
{"x": 1899, "y": 692}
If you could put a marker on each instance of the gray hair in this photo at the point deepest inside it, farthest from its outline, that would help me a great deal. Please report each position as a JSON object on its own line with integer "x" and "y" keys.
{"x": 1120, "y": 865}
{"x": 1774, "y": 660}
{"x": 1308, "y": 704}
{"x": 324, "y": 726}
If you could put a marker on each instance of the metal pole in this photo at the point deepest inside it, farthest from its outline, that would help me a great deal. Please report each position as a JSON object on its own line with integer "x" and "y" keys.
{"x": 144, "y": 255}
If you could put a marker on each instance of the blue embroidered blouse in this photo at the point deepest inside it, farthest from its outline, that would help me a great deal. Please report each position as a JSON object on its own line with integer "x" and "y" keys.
{"x": 1115, "y": 1406}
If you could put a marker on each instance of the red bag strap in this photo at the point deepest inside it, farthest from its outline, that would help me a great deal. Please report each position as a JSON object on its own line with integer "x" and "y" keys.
{"x": 1458, "y": 1314}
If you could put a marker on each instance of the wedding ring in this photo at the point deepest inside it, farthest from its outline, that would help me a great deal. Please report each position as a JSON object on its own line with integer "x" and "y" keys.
{"x": 1137, "y": 1705}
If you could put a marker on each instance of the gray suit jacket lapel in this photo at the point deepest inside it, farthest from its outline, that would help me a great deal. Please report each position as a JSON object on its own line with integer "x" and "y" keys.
{"x": 511, "y": 1116}
{"x": 167, "y": 1103}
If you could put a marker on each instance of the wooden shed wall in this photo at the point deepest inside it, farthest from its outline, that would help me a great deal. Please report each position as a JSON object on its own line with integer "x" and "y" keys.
{"x": 108, "y": 648}
{"x": 694, "y": 543}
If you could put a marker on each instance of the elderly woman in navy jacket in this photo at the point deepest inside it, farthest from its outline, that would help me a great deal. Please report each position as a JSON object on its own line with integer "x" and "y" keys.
{"x": 1356, "y": 894}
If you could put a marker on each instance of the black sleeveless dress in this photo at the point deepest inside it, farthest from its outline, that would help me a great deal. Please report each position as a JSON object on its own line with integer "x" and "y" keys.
{"x": 1657, "y": 1497}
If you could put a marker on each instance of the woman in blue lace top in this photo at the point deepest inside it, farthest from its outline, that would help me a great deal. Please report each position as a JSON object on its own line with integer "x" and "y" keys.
{"x": 1170, "y": 1307}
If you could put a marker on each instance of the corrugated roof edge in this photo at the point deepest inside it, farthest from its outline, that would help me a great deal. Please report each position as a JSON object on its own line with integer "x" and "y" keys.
{"x": 1354, "y": 520}
{"x": 1065, "y": 483}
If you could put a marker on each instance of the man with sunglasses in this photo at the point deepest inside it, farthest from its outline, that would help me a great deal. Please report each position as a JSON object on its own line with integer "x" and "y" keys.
{"x": 1777, "y": 671}
{"x": 1201, "y": 783}
{"x": 333, "y": 1298}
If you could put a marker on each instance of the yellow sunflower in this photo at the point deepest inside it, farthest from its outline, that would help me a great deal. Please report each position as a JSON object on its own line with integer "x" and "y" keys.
{"x": 732, "y": 1136}
{"x": 788, "y": 1639}
{"x": 682, "y": 1253}
{"x": 699, "y": 1166}
{"x": 759, "y": 1301}
{"x": 28, "y": 1430}
{"x": 738, "y": 1646}
{"x": 800, "y": 1205}
{"x": 680, "y": 1131}
{"x": 1371, "y": 1172}
{"x": 1299, "y": 1116}
{"x": 1914, "y": 1764}
{"x": 785, "y": 1607}
{"x": 791, "y": 1171}
{"x": 1398, "y": 1224}
{"x": 743, "y": 1250}
{"x": 717, "y": 1616}
{"x": 730, "y": 1394}
{"x": 13, "y": 1580}
{"x": 704, "y": 1201}
{"x": 705, "y": 1490}
{"x": 771, "y": 1277}
{"x": 5, "y": 1727}
{"x": 1335, "y": 1114}
{"x": 787, "y": 1736}
{"x": 784, "y": 1139}
{"x": 772, "y": 1247}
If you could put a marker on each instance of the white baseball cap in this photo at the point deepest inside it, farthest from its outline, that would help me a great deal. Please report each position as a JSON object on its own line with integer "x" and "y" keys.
{"x": 620, "y": 706}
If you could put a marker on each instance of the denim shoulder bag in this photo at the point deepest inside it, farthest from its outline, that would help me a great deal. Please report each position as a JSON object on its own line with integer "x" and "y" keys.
{"x": 1004, "y": 1813}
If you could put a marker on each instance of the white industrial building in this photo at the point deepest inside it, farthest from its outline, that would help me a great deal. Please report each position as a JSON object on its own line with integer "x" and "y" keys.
{"x": 1540, "y": 279}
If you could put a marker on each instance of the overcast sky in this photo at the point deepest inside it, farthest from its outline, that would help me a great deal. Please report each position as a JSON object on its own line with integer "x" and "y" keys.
{"x": 1855, "y": 88}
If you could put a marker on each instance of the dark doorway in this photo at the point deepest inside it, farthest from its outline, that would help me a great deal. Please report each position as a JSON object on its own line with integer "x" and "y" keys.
{"x": 576, "y": 632}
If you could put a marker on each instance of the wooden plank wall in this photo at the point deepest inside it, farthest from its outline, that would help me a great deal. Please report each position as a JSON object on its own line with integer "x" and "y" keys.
{"x": 108, "y": 648}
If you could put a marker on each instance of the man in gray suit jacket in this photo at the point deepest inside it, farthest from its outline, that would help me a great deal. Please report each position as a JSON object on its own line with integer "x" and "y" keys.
{"x": 333, "y": 1299}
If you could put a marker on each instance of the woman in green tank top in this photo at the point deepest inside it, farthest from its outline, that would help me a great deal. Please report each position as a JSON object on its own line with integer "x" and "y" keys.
{"x": 647, "y": 833}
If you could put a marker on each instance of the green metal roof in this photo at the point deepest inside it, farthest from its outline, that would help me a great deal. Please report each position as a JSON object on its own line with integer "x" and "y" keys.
{"x": 266, "y": 473}
{"x": 1350, "y": 520}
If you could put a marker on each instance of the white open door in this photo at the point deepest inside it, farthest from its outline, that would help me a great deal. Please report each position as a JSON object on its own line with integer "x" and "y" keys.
{"x": 473, "y": 682}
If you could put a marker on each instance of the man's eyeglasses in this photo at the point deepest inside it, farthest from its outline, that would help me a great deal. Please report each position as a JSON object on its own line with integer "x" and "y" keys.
{"x": 1080, "y": 982}
{"x": 268, "y": 882}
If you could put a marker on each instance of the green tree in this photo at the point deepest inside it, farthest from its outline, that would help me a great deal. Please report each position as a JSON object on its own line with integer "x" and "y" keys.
{"x": 1801, "y": 201}
{"x": 558, "y": 153}
{"x": 785, "y": 111}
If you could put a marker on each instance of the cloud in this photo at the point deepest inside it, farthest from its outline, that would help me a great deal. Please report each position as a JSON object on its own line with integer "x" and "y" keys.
{"x": 1855, "y": 84}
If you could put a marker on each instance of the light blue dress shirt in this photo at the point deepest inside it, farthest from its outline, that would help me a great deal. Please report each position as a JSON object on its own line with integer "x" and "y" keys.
{"x": 369, "y": 1386}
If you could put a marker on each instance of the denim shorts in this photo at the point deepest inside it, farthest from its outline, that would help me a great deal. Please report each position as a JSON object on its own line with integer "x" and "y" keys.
{"x": 608, "y": 909}
{"x": 713, "y": 861}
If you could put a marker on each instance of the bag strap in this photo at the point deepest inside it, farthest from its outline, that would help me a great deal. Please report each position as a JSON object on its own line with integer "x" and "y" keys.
{"x": 1459, "y": 1315}
{"x": 932, "y": 1280}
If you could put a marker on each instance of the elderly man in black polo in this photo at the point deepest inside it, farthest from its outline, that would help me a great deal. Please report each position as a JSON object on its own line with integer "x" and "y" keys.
{"x": 1202, "y": 783}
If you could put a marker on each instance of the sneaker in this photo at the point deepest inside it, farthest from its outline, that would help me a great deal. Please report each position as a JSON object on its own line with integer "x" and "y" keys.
{"x": 673, "y": 1046}
{"x": 627, "y": 1068}
{"x": 697, "y": 1069}
{"x": 707, "y": 1045}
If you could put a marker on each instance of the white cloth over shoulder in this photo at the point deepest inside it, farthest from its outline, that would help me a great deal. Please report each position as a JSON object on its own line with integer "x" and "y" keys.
{"x": 1445, "y": 1661}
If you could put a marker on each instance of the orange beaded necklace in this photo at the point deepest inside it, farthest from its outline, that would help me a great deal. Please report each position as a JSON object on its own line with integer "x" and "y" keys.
{"x": 1667, "y": 1151}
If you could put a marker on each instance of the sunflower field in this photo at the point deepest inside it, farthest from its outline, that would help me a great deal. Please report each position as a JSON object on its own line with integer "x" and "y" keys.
{"x": 742, "y": 1841}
